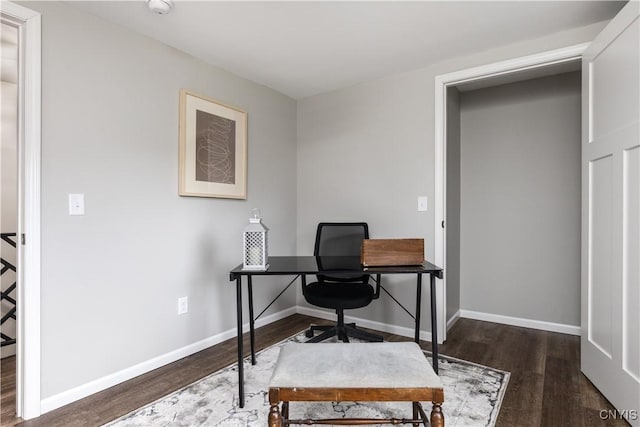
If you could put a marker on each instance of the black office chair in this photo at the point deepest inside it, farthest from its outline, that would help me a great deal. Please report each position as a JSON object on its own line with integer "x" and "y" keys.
{"x": 344, "y": 291}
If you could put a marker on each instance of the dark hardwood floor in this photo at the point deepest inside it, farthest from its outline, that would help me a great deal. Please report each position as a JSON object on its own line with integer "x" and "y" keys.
{"x": 546, "y": 387}
{"x": 7, "y": 390}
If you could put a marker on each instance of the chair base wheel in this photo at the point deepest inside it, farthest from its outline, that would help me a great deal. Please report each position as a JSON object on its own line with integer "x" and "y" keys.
{"x": 342, "y": 331}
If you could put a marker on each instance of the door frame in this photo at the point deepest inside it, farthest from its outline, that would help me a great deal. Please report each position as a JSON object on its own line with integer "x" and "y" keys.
{"x": 442, "y": 82}
{"x": 28, "y": 393}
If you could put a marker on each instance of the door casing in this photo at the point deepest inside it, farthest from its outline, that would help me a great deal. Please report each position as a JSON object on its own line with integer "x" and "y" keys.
{"x": 442, "y": 82}
{"x": 28, "y": 395}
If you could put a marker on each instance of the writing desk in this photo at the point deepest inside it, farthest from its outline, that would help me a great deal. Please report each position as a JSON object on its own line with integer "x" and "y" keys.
{"x": 333, "y": 265}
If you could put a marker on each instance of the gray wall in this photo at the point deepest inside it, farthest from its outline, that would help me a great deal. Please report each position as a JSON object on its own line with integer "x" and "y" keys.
{"x": 520, "y": 192}
{"x": 366, "y": 152}
{"x": 453, "y": 202}
{"x": 361, "y": 157}
{"x": 111, "y": 278}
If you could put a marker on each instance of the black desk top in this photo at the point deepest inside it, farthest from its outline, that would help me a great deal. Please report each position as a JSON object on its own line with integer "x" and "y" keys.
{"x": 279, "y": 265}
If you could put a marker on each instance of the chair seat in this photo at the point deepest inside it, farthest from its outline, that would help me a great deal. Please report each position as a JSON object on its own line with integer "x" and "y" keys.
{"x": 338, "y": 296}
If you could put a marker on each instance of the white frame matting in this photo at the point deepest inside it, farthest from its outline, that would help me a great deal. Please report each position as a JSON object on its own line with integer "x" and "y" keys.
{"x": 442, "y": 82}
{"x": 28, "y": 397}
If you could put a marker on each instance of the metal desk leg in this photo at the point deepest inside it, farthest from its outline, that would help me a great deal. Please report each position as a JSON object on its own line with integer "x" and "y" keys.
{"x": 418, "y": 299}
{"x": 434, "y": 324}
{"x": 252, "y": 334}
{"x": 240, "y": 349}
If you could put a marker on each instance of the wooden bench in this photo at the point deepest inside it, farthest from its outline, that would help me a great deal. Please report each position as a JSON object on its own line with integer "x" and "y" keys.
{"x": 354, "y": 372}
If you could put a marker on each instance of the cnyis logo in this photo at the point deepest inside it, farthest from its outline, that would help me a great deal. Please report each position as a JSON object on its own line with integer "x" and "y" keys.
{"x": 624, "y": 414}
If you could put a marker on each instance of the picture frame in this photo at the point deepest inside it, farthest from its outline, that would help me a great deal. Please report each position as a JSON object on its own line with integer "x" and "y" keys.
{"x": 213, "y": 148}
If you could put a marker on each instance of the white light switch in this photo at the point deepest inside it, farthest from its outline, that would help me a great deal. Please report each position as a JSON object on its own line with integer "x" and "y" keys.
{"x": 183, "y": 305}
{"x": 76, "y": 204}
{"x": 422, "y": 203}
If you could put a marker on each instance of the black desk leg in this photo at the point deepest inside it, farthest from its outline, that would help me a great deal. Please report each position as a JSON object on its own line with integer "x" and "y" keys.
{"x": 434, "y": 324}
{"x": 240, "y": 349}
{"x": 418, "y": 299}
{"x": 252, "y": 334}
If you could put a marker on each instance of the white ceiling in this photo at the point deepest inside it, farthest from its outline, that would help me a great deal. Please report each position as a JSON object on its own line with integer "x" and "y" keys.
{"x": 306, "y": 48}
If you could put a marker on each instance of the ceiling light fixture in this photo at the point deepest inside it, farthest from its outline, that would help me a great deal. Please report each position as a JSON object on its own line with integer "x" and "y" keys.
{"x": 161, "y": 7}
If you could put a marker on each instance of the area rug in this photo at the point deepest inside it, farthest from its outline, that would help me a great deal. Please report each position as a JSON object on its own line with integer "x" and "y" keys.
{"x": 472, "y": 397}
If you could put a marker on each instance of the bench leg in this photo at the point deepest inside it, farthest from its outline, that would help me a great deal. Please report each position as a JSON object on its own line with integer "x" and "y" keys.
{"x": 416, "y": 414}
{"x": 275, "y": 420}
{"x": 437, "y": 417}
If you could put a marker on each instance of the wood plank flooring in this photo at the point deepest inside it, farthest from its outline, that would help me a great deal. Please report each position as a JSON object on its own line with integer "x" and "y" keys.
{"x": 7, "y": 390}
{"x": 546, "y": 387}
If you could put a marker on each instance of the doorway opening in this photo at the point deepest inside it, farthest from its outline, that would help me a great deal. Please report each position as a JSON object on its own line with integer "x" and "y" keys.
{"x": 26, "y": 162}
{"x": 447, "y": 210}
{"x": 9, "y": 217}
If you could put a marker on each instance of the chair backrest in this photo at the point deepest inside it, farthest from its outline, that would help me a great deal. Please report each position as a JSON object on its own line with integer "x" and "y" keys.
{"x": 340, "y": 239}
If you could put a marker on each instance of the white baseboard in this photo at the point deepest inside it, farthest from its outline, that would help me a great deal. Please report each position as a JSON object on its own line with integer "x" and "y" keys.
{"x": 95, "y": 386}
{"x": 378, "y": 326}
{"x": 453, "y": 319}
{"x": 84, "y": 390}
{"x": 525, "y": 323}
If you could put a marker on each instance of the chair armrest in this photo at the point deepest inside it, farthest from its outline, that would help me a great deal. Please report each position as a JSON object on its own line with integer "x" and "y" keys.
{"x": 378, "y": 280}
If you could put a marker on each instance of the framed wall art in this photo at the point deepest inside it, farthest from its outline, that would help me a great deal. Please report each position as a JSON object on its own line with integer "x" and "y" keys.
{"x": 213, "y": 148}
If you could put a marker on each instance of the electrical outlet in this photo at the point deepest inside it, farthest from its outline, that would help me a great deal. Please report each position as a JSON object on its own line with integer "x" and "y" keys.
{"x": 183, "y": 305}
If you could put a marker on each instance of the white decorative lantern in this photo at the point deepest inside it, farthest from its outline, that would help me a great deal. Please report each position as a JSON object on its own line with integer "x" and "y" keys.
{"x": 255, "y": 243}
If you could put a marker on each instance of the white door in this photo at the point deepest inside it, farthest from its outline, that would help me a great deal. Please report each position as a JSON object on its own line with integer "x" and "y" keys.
{"x": 610, "y": 343}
